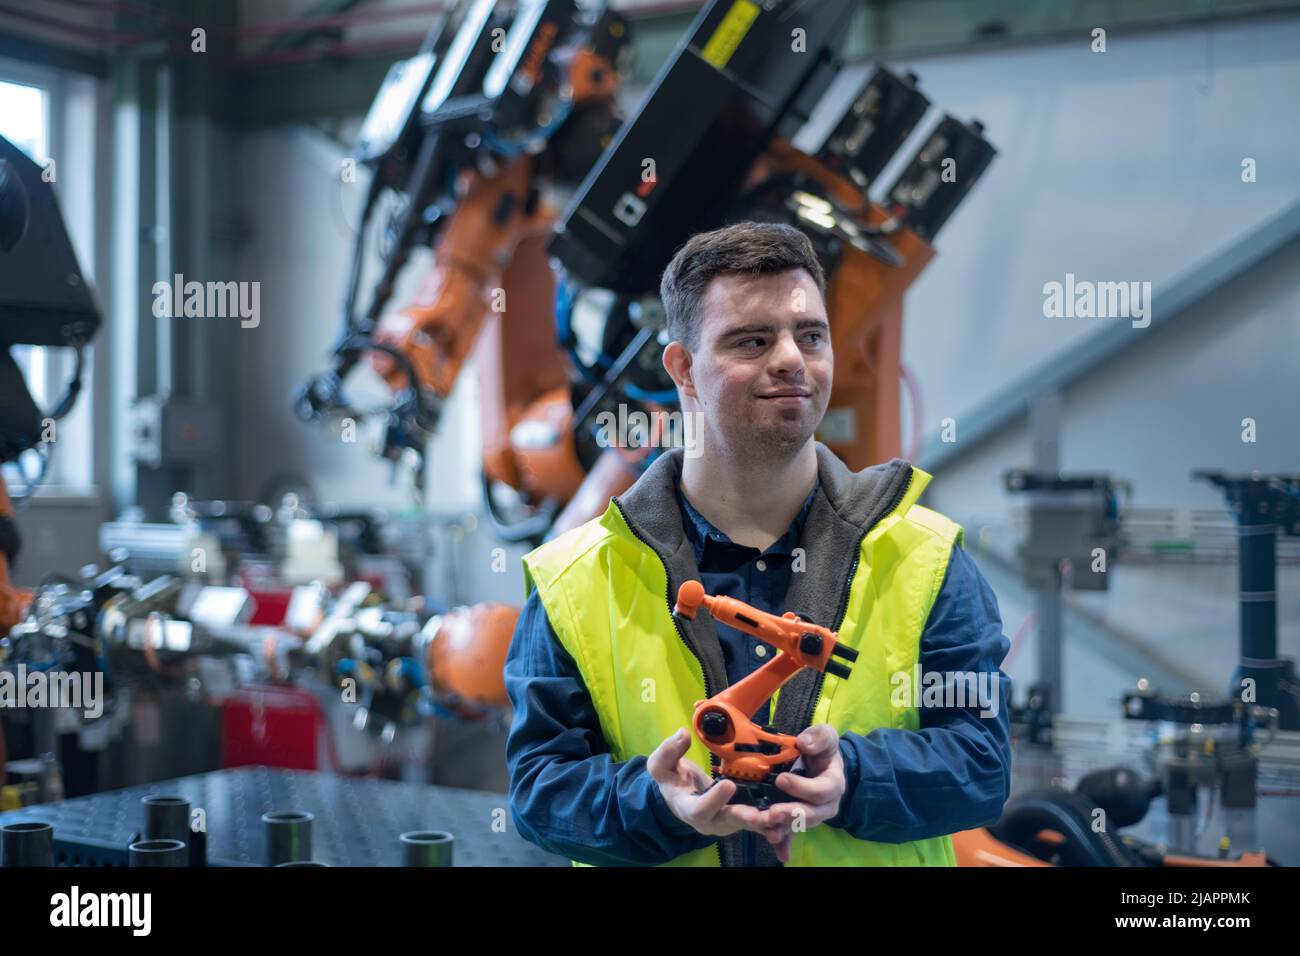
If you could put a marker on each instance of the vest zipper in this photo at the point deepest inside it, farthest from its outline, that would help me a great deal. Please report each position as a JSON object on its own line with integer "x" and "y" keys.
{"x": 843, "y": 609}
{"x": 668, "y": 598}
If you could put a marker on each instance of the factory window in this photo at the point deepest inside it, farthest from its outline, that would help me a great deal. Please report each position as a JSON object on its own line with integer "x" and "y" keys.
{"x": 33, "y": 108}
{"x": 23, "y": 118}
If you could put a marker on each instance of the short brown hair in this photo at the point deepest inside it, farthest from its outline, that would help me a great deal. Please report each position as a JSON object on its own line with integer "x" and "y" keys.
{"x": 753, "y": 248}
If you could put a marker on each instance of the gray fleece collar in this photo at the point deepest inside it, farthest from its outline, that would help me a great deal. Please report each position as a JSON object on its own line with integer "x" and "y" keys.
{"x": 847, "y": 505}
{"x": 854, "y": 498}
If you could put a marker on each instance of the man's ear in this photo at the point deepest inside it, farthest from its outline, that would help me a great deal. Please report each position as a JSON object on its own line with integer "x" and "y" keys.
{"x": 677, "y": 363}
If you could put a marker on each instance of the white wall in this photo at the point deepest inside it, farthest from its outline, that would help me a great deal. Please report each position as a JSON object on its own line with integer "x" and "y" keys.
{"x": 1123, "y": 165}
{"x": 1173, "y": 403}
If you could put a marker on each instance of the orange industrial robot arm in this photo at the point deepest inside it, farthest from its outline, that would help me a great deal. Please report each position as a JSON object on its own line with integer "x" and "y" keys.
{"x": 491, "y": 281}
{"x": 753, "y": 754}
{"x": 438, "y": 329}
{"x": 14, "y": 601}
{"x": 864, "y": 302}
{"x": 492, "y": 289}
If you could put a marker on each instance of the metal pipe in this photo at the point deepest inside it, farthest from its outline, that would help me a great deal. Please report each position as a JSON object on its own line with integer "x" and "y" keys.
{"x": 427, "y": 848}
{"x": 158, "y": 853}
{"x": 27, "y": 844}
{"x": 166, "y": 817}
{"x": 1257, "y": 577}
{"x": 288, "y": 836}
{"x": 164, "y": 350}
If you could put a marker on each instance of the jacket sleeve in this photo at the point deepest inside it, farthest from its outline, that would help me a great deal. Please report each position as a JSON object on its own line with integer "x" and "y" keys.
{"x": 567, "y": 795}
{"x": 954, "y": 773}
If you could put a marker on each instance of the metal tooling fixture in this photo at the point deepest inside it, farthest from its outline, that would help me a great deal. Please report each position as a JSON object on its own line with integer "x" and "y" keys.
{"x": 1205, "y": 742}
{"x": 1071, "y": 517}
{"x": 1264, "y": 506}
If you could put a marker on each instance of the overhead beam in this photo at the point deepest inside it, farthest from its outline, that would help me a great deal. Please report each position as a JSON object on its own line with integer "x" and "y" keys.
{"x": 336, "y": 87}
{"x": 26, "y": 49}
{"x": 892, "y": 29}
{"x": 341, "y": 85}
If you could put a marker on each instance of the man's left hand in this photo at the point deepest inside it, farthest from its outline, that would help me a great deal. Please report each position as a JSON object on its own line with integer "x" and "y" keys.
{"x": 817, "y": 793}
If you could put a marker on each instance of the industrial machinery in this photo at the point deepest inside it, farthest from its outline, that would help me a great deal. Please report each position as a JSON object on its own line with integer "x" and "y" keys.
{"x": 332, "y": 592}
{"x": 1196, "y": 751}
{"x": 1205, "y": 745}
{"x": 1264, "y": 507}
{"x": 270, "y": 548}
{"x": 764, "y": 141}
{"x": 751, "y": 754}
{"x": 44, "y": 301}
{"x": 1203, "y": 751}
{"x": 404, "y": 661}
{"x": 283, "y": 665}
{"x": 761, "y": 141}
{"x": 1073, "y": 537}
{"x": 500, "y": 107}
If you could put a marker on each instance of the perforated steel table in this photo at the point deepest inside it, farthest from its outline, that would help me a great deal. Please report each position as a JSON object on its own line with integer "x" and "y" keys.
{"x": 357, "y": 820}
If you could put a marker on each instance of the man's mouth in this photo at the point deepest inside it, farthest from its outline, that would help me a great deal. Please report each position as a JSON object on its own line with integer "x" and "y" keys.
{"x": 788, "y": 393}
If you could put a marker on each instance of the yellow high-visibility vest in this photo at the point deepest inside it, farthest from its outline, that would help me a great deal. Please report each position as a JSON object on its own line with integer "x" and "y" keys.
{"x": 608, "y": 593}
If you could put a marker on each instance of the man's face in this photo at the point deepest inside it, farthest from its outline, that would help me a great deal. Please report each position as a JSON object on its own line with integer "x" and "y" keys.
{"x": 761, "y": 373}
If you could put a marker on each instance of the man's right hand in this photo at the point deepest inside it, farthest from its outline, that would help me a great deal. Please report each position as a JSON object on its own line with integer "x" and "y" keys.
{"x": 693, "y": 796}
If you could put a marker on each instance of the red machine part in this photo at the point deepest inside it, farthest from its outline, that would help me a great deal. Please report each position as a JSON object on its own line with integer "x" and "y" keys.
{"x": 271, "y": 726}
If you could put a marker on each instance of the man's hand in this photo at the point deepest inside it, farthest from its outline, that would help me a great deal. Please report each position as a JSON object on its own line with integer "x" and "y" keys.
{"x": 817, "y": 795}
{"x": 681, "y": 782}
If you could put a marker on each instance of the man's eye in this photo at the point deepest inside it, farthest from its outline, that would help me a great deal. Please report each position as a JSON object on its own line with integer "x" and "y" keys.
{"x": 815, "y": 336}
{"x": 745, "y": 343}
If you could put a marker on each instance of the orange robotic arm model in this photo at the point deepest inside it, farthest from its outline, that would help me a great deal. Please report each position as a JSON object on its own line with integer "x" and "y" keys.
{"x": 753, "y": 754}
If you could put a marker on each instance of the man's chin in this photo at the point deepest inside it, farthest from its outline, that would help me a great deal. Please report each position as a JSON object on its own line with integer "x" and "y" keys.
{"x": 791, "y": 437}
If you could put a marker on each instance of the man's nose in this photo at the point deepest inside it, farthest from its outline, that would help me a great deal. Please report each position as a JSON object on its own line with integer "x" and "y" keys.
{"x": 787, "y": 357}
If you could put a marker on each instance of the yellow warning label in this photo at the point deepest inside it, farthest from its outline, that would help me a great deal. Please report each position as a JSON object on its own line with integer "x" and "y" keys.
{"x": 730, "y": 32}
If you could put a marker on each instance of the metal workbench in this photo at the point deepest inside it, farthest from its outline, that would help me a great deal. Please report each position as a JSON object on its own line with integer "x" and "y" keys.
{"x": 357, "y": 820}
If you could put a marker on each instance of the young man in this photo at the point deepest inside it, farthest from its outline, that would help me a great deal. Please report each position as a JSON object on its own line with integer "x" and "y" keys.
{"x": 603, "y": 679}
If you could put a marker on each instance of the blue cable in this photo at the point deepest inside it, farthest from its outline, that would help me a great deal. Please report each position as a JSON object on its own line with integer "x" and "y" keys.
{"x": 508, "y": 148}
{"x": 564, "y": 299}
{"x": 410, "y": 667}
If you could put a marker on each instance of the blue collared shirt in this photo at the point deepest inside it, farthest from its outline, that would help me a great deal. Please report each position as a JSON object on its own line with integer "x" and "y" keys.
{"x": 568, "y": 795}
